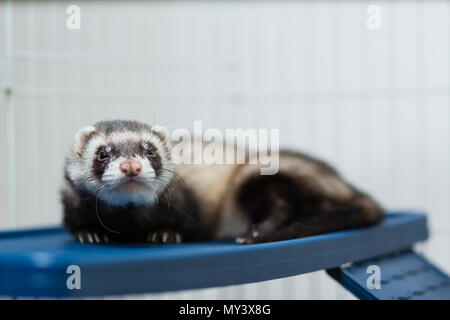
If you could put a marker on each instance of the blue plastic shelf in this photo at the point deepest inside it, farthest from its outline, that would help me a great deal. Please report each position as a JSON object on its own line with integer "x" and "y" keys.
{"x": 33, "y": 263}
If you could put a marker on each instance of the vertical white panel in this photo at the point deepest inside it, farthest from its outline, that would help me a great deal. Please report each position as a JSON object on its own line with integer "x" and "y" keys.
{"x": 349, "y": 139}
{"x": 10, "y": 119}
{"x": 378, "y": 59}
{"x": 406, "y": 162}
{"x": 54, "y": 128}
{"x": 4, "y": 191}
{"x": 345, "y": 27}
{"x": 434, "y": 27}
{"x": 378, "y": 171}
{"x": 404, "y": 29}
{"x": 436, "y": 158}
{"x": 32, "y": 154}
{"x": 4, "y": 204}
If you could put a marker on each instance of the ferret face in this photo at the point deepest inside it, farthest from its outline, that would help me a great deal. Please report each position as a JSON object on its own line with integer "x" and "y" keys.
{"x": 121, "y": 162}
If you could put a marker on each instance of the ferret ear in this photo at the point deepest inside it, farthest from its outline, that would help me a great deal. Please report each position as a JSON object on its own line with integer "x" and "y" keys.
{"x": 81, "y": 139}
{"x": 162, "y": 133}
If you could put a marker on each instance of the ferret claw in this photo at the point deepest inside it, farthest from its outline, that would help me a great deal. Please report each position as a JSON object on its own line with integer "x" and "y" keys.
{"x": 254, "y": 235}
{"x": 96, "y": 238}
{"x": 164, "y": 237}
{"x": 91, "y": 237}
{"x": 245, "y": 240}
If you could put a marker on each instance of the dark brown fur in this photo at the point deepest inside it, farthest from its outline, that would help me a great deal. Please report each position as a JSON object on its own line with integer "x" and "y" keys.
{"x": 282, "y": 208}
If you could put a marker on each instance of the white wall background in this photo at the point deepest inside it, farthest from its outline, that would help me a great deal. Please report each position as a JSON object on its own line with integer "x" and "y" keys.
{"x": 373, "y": 102}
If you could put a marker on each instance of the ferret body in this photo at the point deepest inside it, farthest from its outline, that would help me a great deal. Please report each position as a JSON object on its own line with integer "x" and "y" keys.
{"x": 122, "y": 186}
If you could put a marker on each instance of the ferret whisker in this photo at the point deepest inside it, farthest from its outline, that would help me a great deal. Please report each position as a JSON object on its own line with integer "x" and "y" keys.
{"x": 185, "y": 213}
{"x": 165, "y": 196}
{"x": 100, "y": 220}
{"x": 164, "y": 187}
{"x": 171, "y": 121}
{"x": 176, "y": 178}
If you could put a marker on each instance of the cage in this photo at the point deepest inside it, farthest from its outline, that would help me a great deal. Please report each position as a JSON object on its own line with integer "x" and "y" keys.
{"x": 373, "y": 99}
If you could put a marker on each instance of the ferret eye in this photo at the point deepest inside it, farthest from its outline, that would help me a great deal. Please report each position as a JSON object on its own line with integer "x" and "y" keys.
{"x": 151, "y": 153}
{"x": 103, "y": 155}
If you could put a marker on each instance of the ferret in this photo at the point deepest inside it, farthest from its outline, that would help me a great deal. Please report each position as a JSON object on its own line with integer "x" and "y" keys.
{"x": 121, "y": 186}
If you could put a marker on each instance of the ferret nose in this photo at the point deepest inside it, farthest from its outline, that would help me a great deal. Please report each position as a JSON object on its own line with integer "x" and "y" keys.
{"x": 130, "y": 168}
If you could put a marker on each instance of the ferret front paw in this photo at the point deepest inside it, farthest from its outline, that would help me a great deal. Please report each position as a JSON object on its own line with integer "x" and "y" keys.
{"x": 164, "y": 237}
{"x": 251, "y": 237}
{"x": 84, "y": 236}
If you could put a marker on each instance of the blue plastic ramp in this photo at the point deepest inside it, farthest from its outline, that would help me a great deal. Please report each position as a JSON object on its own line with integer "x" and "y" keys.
{"x": 404, "y": 275}
{"x": 33, "y": 263}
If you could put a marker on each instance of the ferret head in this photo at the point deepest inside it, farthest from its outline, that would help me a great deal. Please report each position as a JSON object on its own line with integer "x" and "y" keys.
{"x": 121, "y": 162}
